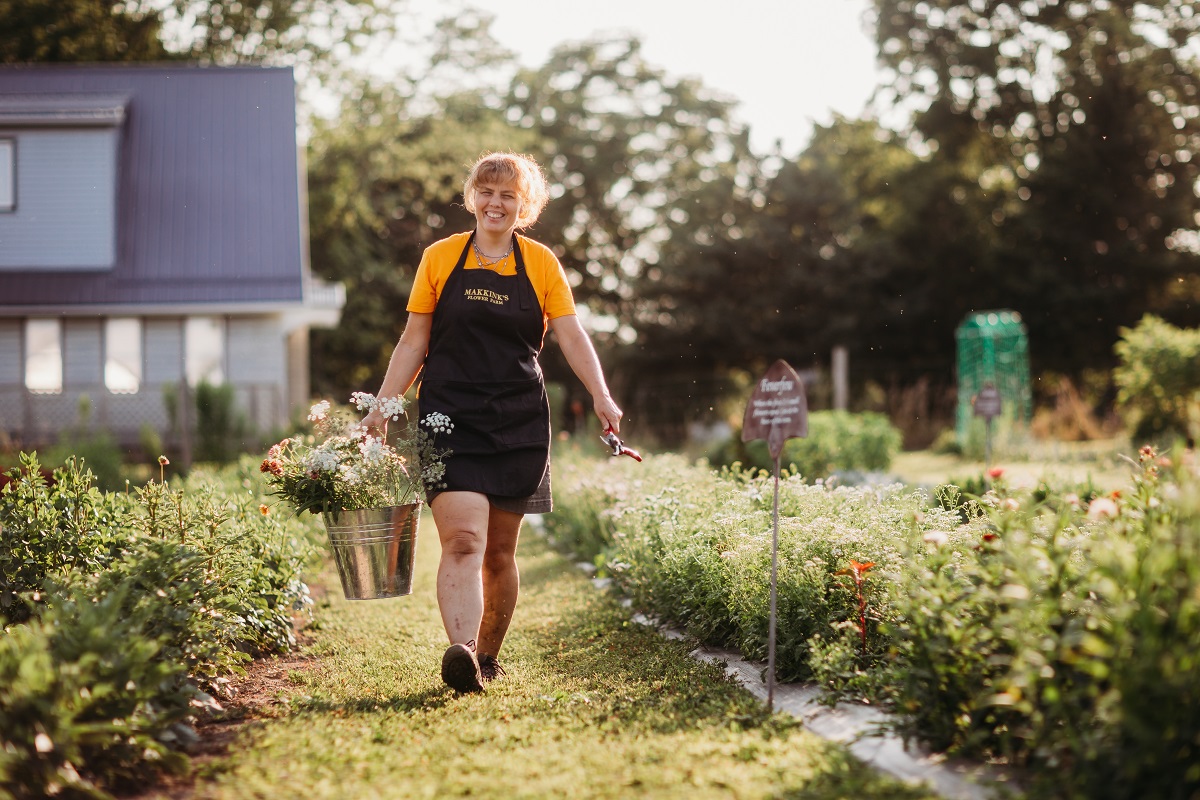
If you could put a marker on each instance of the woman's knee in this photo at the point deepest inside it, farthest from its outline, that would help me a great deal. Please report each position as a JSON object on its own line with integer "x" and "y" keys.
{"x": 497, "y": 563}
{"x": 464, "y": 543}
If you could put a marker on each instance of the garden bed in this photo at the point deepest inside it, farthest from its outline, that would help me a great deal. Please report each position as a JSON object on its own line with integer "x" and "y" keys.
{"x": 1024, "y": 626}
{"x": 129, "y": 617}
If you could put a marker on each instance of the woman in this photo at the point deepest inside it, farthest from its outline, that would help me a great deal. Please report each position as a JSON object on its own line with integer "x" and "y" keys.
{"x": 478, "y": 312}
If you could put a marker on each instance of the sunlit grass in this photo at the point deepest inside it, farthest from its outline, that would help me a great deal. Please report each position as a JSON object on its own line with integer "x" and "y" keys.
{"x": 593, "y": 706}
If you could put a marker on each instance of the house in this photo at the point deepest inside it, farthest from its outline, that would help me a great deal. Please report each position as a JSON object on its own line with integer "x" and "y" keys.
{"x": 152, "y": 235}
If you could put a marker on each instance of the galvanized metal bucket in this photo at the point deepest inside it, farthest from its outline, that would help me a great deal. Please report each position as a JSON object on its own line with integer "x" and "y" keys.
{"x": 374, "y": 549}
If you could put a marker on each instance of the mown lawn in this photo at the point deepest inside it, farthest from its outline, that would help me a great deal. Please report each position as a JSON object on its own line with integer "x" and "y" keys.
{"x": 1057, "y": 463}
{"x": 594, "y": 706}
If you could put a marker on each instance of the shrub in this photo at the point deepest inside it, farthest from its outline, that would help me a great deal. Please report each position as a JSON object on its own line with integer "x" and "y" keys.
{"x": 1158, "y": 379}
{"x": 86, "y": 700}
{"x": 694, "y": 548}
{"x": 95, "y": 448}
{"x": 135, "y": 602}
{"x": 837, "y": 441}
{"x": 50, "y": 526}
{"x": 219, "y": 426}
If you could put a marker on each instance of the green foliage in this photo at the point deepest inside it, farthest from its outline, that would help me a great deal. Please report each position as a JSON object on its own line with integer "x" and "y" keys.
{"x": 220, "y": 429}
{"x": 94, "y": 448}
{"x": 1158, "y": 380}
{"x": 78, "y": 31}
{"x": 133, "y": 603}
{"x": 1052, "y": 628}
{"x": 694, "y": 548}
{"x": 1077, "y": 260}
{"x": 837, "y": 441}
{"x": 51, "y": 527}
{"x": 87, "y": 700}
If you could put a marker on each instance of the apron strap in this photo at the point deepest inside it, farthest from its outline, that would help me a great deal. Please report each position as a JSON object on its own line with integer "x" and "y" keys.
{"x": 462, "y": 257}
{"x": 524, "y": 287}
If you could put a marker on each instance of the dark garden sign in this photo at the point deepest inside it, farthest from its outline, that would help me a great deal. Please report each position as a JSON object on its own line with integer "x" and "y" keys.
{"x": 777, "y": 411}
{"x": 987, "y": 404}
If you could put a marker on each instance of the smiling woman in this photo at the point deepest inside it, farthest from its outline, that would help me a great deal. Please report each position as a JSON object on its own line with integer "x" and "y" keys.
{"x": 479, "y": 309}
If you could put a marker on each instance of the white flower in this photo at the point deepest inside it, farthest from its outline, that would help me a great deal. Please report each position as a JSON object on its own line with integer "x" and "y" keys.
{"x": 438, "y": 422}
{"x": 363, "y": 401}
{"x": 322, "y": 460}
{"x": 392, "y": 407}
{"x": 373, "y": 450}
{"x": 936, "y": 538}
{"x": 319, "y": 411}
{"x": 1102, "y": 507}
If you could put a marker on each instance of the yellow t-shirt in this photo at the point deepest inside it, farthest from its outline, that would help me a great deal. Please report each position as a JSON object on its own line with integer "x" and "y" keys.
{"x": 545, "y": 273}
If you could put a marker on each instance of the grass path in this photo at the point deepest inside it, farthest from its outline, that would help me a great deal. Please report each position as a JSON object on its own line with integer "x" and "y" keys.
{"x": 594, "y": 706}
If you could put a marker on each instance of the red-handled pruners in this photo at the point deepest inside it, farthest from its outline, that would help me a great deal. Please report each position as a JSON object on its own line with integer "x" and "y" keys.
{"x": 618, "y": 447}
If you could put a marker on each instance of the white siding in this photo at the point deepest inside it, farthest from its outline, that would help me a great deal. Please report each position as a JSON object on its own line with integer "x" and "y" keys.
{"x": 256, "y": 350}
{"x": 164, "y": 351}
{"x": 11, "y": 370}
{"x": 257, "y": 362}
{"x": 83, "y": 361}
{"x": 65, "y": 215}
{"x": 12, "y": 378}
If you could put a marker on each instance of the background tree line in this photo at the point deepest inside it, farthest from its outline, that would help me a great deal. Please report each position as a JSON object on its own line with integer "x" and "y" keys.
{"x": 1045, "y": 162}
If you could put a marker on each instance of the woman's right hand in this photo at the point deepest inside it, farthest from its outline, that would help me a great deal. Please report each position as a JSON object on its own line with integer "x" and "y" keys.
{"x": 375, "y": 423}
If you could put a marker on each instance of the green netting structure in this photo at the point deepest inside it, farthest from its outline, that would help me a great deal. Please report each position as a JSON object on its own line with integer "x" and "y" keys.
{"x": 993, "y": 348}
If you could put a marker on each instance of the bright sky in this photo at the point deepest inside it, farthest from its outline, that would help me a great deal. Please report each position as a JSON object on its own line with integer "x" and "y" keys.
{"x": 788, "y": 63}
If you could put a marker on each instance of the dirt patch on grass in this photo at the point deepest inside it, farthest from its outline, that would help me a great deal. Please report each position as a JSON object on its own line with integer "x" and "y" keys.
{"x": 260, "y": 694}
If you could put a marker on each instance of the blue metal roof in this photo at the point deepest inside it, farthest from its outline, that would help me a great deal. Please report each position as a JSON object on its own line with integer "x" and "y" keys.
{"x": 208, "y": 187}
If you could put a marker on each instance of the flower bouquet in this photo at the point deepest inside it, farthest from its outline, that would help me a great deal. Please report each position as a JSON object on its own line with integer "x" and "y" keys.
{"x": 342, "y": 466}
{"x": 369, "y": 492}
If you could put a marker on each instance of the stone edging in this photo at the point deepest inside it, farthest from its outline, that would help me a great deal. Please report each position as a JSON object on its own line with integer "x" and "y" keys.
{"x": 858, "y": 728}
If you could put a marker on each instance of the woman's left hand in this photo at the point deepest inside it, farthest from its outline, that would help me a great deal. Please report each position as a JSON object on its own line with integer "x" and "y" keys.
{"x": 608, "y": 412}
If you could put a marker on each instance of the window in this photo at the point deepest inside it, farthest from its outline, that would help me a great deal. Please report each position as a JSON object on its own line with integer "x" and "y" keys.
{"x": 8, "y": 175}
{"x": 204, "y": 349}
{"x": 123, "y": 355}
{"x": 43, "y": 356}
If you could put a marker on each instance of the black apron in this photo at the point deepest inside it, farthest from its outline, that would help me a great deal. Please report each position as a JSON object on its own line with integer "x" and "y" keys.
{"x": 482, "y": 372}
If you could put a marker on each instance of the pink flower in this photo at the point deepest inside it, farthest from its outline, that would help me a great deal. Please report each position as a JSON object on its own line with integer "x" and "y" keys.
{"x": 995, "y": 472}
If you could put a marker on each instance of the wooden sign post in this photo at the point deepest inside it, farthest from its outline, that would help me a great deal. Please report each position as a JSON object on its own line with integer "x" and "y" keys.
{"x": 987, "y": 404}
{"x": 777, "y": 411}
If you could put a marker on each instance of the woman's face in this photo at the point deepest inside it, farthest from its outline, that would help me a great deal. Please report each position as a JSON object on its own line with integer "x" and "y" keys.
{"x": 496, "y": 207}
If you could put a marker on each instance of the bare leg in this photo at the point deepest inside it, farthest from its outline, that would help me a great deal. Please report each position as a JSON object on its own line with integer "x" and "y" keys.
{"x": 462, "y": 523}
{"x": 501, "y": 581}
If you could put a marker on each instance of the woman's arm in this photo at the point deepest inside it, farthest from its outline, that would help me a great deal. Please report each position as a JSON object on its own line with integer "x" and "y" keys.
{"x": 577, "y": 347}
{"x": 406, "y": 362}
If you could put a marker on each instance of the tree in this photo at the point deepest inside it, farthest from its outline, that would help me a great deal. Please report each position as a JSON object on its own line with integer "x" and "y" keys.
{"x": 1095, "y": 103}
{"x": 79, "y": 30}
{"x": 385, "y": 181}
{"x": 301, "y": 33}
{"x": 626, "y": 147}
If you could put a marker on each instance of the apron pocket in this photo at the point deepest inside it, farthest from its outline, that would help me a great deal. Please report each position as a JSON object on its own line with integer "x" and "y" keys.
{"x": 524, "y": 414}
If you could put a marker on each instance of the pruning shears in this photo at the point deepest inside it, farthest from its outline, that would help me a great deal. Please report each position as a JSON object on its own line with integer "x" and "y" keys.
{"x": 618, "y": 447}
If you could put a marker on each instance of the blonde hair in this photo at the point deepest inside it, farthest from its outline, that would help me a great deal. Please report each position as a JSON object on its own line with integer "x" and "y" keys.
{"x": 515, "y": 168}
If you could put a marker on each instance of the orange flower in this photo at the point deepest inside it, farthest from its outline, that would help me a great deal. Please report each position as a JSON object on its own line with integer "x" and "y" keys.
{"x": 272, "y": 466}
{"x": 995, "y": 472}
{"x": 264, "y": 510}
{"x": 860, "y": 569}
